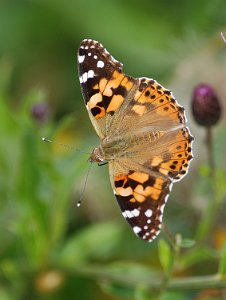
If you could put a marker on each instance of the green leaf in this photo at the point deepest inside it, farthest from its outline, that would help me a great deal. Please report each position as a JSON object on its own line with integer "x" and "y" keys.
{"x": 98, "y": 240}
{"x": 187, "y": 243}
{"x": 117, "y": 290}
{"x": 127, "y": 273}
{"x": 175, "y": 296}
{"x": 200, "y": 255}
{"x": 222, "y": 264}
{"x": 165, "y": 256}
{"x": 5, "y": 294}
{"x": 142, "y": 292}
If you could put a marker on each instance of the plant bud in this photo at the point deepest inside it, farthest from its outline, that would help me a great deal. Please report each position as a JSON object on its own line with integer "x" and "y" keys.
{"x": 40, "y": 112}
{"x": 206, "y": 108}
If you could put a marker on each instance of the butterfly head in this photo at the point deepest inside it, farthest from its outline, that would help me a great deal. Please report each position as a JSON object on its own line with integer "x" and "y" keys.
{"x": 97, "y": 155}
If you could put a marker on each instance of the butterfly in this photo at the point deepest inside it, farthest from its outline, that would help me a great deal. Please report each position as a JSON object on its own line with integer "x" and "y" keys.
{"x": 143, "y": 136}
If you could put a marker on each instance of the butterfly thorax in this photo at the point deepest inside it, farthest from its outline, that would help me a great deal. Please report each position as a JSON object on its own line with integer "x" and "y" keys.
{"x": 112, "y": 148}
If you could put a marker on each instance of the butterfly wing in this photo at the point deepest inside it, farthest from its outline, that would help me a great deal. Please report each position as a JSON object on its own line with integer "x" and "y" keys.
{"x": 141, "y": 195}
{"x": 154, "y": 125}
{"x": 142, "y": 181}
{"x": 103, "y": 84}
{"x": 158, "y": 154}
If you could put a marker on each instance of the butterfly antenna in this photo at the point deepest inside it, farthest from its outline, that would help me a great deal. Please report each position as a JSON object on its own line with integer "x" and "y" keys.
{"x": 64, "y": 145}
{"x": 84, "y": 186}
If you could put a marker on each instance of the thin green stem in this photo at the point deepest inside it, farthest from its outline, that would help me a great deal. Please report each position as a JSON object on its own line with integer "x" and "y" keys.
{"x": 210, "y": 214}
{"x": 153, "y": 282}
{"x": 209, "y": 143}
{"x": 169, "y": 235}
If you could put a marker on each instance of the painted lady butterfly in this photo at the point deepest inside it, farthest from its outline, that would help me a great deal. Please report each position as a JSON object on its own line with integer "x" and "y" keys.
{"x": 143, "y": 136}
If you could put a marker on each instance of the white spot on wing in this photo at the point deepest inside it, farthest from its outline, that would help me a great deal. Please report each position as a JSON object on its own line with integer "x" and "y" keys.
{"x": 157, "y": 232}
{"x": 100, "y": 64}
{"x": 135, "y": 212}
{"x": 81, "y": 58}
{"x": 136, "y": 229}
{"x": 128, "y": 214}
{"x": 131, "y": 213}
{"x": 84, "y": 77}
{"x": 148, "y": 213}
{"x": 124, "y": 214}
{"x": 95, "y": 56}
{"x": 162, "y": 208}
{"x": 90, "y": 74}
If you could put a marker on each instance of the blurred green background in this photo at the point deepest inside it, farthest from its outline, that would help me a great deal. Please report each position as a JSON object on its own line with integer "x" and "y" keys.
{"x": 50, "y": 249}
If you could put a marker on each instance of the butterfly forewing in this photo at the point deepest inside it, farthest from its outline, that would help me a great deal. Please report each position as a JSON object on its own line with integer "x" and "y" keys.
{"x": 104, "y": 86}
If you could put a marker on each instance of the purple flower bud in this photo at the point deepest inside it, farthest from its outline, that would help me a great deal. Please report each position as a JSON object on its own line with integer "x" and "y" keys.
{"x": 40, "y": 111}
{"x": 206, "y": 108}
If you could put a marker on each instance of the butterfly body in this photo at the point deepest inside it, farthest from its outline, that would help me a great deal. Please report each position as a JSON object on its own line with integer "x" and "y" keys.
{"x": 143, "y": 136}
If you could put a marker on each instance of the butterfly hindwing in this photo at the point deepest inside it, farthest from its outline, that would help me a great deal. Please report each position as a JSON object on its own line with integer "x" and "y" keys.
{"x": 142, "y": 197}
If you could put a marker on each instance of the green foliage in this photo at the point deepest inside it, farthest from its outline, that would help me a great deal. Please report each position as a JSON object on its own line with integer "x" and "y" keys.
{"x": 165, "y": 256}
{"x": 222, "y": 264}
{"x": 50, "y": 249}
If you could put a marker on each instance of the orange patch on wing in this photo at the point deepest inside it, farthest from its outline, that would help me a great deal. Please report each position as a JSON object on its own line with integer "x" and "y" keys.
{"x": 115, "y": 103}
{"x": 139, "y": 109}
{"x": 102, "y": 84}
{"x": 168, "y": 110}
{"x": 141, "y": 98}
{"x": 95, "y": 87}
{"x": 139, "y": 177}
{"x": 163, "y": 171}
{"x": 124, "y": 191}
{"x": 148, "y": 191}
{"x": 127, "y": 83}
{"x": 183, "y": 155}
{"x": 94, "y": 100}
{"x": 101, "y": 113}
{"x": 120, "y": 177}
{"x": 113, "y": 83}
{"x": 132, "y": 200}
{"x": 179, "y": 146}
{"x": 159, "y": 183}
{"x": 137, "y": 96}
{"x": 156, "y": 161}
{"x": 138, "y": 197}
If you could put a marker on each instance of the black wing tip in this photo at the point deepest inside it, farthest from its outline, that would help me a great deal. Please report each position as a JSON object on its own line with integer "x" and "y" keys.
{"x": 88, "y": 44}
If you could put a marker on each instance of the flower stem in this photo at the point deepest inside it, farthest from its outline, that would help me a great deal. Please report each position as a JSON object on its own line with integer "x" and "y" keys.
{"x": 209, "y": 143}
{"x": 168, "y": 235}
{"x": 110, "y": 273}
